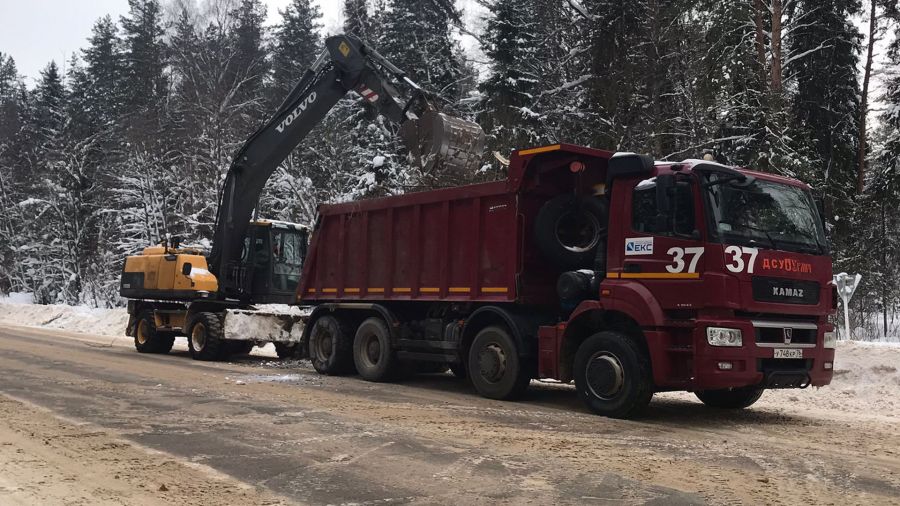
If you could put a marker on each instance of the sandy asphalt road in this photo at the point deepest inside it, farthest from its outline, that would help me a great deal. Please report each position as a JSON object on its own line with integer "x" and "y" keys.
{"x": 254, "y": 432}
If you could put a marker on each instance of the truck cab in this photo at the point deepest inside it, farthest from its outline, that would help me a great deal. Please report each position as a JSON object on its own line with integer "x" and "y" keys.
{"x": 729, "y": 263}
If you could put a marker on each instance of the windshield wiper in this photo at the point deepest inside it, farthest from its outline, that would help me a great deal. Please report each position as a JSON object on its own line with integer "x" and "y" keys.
{"x": 756, "y": 229}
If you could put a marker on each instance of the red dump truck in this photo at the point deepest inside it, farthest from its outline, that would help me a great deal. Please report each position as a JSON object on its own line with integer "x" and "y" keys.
{"x": 626, "y": 275}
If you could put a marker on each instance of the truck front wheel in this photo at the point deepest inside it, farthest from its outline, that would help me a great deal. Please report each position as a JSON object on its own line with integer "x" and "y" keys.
{"x": 331, "y": 346}
{"x": 149, "y": 340}
{"x": 612, "y": 375}
{"x": 495, "y": 367}
{"x": 205, "y": 337}
{"x": 372, "y": 351}
{"x": 730, "y": 398}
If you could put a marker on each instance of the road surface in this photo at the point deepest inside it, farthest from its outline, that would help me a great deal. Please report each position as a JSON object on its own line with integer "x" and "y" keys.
{"x": 158, "y": 429}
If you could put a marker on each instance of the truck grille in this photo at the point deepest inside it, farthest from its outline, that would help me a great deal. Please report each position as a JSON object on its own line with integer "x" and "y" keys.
{"x": 785, "y": 333}
{"x": 770, "y": 335}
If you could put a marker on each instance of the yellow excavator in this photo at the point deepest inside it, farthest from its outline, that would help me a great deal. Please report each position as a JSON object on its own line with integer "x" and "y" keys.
{"x": 222, "y": 301}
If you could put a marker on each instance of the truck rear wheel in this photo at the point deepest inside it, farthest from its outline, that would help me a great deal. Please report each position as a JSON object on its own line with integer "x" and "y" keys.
{"x": 149, "y": 340}
{"x": 495, "y": 367}
{"x": 612, "y": 375}
{"x": 205, "y": 337}
{"x": 730, "y": 398}
{"x": 372, "y": 353}
{"x": 331, "y": 346}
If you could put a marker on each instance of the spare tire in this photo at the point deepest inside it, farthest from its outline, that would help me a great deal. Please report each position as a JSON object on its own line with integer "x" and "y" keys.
{"x": 569, "y": 228}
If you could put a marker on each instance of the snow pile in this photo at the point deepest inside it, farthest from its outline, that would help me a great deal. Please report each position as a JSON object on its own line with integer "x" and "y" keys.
{"x": 270, "y": 323}
{"x": 107, "y": 322}
{"x": 16, "y": 298}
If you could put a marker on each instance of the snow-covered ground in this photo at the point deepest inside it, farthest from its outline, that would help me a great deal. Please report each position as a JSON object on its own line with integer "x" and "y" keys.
{"x": 866, "y": 380}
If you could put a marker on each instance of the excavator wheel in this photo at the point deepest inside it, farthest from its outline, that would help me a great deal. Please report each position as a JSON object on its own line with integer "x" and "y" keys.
{"x": 205, "y": 337}
{"x": 149, "y": 340}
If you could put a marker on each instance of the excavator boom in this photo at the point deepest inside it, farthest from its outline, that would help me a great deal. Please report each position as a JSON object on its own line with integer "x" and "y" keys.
{"x": 435, "y": 140}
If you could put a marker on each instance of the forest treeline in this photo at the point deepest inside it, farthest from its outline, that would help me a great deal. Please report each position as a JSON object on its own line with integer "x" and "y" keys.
{"x": 131, "y": 141}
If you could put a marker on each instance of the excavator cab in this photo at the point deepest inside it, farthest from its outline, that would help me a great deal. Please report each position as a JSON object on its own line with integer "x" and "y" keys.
{"x": 271, "y": 259}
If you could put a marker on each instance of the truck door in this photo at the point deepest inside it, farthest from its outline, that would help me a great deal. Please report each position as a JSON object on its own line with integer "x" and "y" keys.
{"x": 663, "y": 248}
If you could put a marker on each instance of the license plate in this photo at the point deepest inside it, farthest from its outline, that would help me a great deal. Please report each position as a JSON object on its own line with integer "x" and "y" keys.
{"x": 788, "y": 353}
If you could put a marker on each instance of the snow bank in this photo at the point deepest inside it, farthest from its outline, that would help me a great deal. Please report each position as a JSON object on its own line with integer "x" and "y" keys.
{"x": 93, "y": 321}
{"x": 16, "y": 298}
{"x": 107, "y": 322}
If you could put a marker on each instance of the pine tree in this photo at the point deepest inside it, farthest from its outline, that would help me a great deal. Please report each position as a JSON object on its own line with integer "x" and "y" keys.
{"x": 297, "y": 45}
{"x": 823, "y": 58}
{"x": 416, "y": 38}
{"x": 248, "y": 67}
{"x": 144, "y": 54}
{"x": 510, "y": 92}
{"x": 356, "y": 18}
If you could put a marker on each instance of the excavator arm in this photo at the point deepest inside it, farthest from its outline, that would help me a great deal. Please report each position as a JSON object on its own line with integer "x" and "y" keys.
{"x": 436, "y": 140}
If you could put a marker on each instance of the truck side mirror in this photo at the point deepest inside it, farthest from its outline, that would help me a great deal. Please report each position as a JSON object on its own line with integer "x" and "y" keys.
{"x": 186, "y": 268}
{"x": 665, "y": 185}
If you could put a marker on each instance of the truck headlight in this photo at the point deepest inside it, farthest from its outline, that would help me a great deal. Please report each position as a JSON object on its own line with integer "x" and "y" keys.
{"x": 829, "y": 339}
{"x": 719, "y": 336}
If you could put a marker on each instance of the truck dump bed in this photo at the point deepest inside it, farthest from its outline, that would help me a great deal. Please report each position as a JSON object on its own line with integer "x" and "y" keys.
{"x": 463, "y": 244}
{"x": 458, "y": 244}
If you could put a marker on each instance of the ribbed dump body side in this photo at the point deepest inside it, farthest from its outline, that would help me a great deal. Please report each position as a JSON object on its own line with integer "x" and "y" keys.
{"x": 456, "y": 244}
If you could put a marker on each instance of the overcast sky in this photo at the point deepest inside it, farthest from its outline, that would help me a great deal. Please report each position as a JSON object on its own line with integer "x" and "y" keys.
{"x": 37, "y": 31}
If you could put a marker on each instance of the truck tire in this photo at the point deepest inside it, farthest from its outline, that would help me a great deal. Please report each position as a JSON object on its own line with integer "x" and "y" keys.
{"x": 205, "y": 337}
{"x": 287, "y": 350}
{"x": 612, "y": 375}
{"x": 569, "y": 228}
{"x": 730, "y": 398}
{"x": 149, "y": 340}
{"x": 372, "y": 353}
{"x": 495, "y": 367}
{"x": 331, "y": 346}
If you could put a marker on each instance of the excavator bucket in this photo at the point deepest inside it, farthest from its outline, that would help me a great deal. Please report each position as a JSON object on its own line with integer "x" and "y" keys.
{"x": 443, "y": 143}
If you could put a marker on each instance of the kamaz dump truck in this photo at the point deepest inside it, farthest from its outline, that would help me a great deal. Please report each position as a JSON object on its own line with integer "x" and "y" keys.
{"x": 624, "y": 275}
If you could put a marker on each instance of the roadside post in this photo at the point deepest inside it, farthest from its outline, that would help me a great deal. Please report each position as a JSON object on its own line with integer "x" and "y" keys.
{"x": 846, "y": 285}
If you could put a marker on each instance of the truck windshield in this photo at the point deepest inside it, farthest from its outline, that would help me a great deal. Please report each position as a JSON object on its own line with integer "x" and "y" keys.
{"x": 764, "y": 214}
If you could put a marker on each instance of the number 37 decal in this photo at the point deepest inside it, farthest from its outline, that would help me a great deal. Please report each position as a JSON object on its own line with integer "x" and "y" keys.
{"x": 736, "y": 256}
{"x": 679, "y": 262}
{"x": 738, "y": 259}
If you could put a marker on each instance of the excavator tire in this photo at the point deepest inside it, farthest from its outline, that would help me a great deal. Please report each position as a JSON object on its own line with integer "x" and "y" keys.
{"x": 569, "y": 229}
{"x": 149, "y": 340}
{"x": 205, "y": 341}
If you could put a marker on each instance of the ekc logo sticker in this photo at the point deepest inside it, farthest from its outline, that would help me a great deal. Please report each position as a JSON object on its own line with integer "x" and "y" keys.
{"x": 639, "y": 246}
